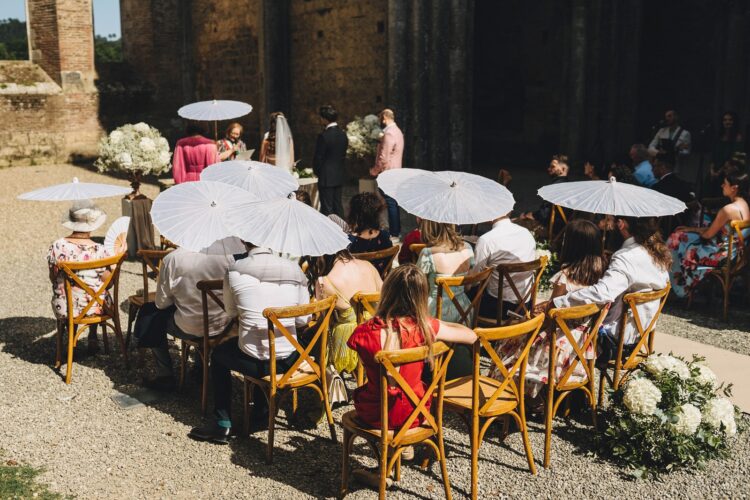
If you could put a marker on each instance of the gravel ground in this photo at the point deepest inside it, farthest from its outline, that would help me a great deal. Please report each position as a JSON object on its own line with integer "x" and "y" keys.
{"x": 92, "y": 449}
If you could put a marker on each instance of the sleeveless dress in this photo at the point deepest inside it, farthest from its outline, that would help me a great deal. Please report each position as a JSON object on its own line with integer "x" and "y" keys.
{"x": 366, "y": 341}
{"x": 340, "y": 356}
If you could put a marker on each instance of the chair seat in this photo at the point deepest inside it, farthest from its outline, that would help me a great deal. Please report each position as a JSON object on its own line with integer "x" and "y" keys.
{"x": 355, "y": 425}
{"x": 458, "y": 396}
{"x": 137, "y": 300}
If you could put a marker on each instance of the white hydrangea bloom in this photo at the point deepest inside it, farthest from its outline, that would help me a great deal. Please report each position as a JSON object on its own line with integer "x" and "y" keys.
{"x": 307, "y": 170}
{"x": 163, "y": 144}
{"x": 147, "y": 144}
{"x": 125, "y": 159}
{"x": 720, "y": 411}
{"x": 705, "y": 375}
{"x": 371, "y": 120}
{"x": 657, "y": 363}
{"x": 542, "y": 252}
{"x": 141, "y": 127}
{"x": 115, "y": 136}
{"x": 641, "y": 396}
{"x": 688, "y": 420}
{"x": 295, "y": 174}
{"x": 164, "y": 157}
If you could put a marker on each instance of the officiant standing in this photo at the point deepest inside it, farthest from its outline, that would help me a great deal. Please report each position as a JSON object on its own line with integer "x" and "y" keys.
{"x": 389, "y": 155}
{"x": 328, "y": 162}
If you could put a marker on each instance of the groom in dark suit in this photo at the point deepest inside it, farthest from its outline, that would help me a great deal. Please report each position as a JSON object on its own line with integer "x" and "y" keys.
{"x": 328, "y": 162}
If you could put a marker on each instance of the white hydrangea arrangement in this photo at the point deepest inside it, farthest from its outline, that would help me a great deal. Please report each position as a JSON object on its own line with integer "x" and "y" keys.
{"x": 669, "y": 414}
{"x": 364, "y": 134}
{"x": 553, "y": 266}
{"x": 136, "y": 150}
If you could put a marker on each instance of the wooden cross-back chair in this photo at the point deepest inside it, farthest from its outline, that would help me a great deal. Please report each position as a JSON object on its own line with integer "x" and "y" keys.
{"x": 644, "y": 345}
{"x": 734, "y": 264}
{"x": 364, "y": 303}
{"x": 556, "y": 209}
{"x": 480, "y": 400}
{"x": 150, "y": 263}
{"x": 313, "y": 374}
{"x": 469, "y": 316}
{"x": 505, "y": 272}
{"x": 166, "y": 244}
{"x": 558, "y": 388}
{"x": 74, "y": 324}
{"x": 415, "y": 249}
{"x": 205, "y": 344}
{"x": 390, "y": 443}
{"x": 388, "y": 255}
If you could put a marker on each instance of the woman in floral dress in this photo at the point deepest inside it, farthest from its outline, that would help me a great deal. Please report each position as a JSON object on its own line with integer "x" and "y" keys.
{"x": 582, "y": 264}
{"x": 698, "y": 250}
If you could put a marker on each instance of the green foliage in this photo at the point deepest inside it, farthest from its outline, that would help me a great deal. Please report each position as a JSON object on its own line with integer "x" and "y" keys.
{"x": 14, "y": 44}
{"x": 19, "y": 481}
{"x": 107, "y": 49}
{"x": 553, "y": 264}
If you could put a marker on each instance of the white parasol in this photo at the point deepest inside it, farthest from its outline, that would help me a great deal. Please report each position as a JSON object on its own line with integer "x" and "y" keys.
{"x": 450, "y": 197}
{"x": 209, "y": 111}
{"x": 286, "y": 225}
{"x": 262, "y": 180}
{"x": 116, "y": 239}
{"x": 611, "y": 198}
{"x": 194, "y": 215}
{"x": 71, "y": 191}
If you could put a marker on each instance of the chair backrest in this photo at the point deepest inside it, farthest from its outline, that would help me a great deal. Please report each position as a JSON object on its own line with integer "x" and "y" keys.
{"x": 586, "y": 340}
{"x": 388, "y": 254}
{"x": 559, "y": 210}
{"x": 645, "y": 342}
{"x": 505, "y": 272}
{"x": 274, "y": 315}
{"x": 415, "y": 249}
{"x": 487, "y": 337}
{"x": 389, "y": 374}
{"x": 208, "y": 288}
{"x": 736, "y": 244}
{"x": 150, "y": 263}
{"x": 165, "y": 243}
{"x": 69, "y": 269}
{"x": 470, "y": 315}
{"x": 365, "y": 302}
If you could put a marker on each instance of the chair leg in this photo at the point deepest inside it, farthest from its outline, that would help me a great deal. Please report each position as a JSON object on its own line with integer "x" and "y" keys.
{"x": 474, "y": 442}
{"x": 548, "y": 417}
{"x": 592, "y": 402}
{"x": 329, "y": 414}
{"x": 345, "y": 452}
{"x": 271, "y": 423}
{"x": 360, "y": 374}
{"x": 184, "y": 353}
{"x": 444, "y": 463}
{"x": 204, "y": 382}
{"x": 294, "y": 400}
{"x": 247, "y": 390}
{"x": 118, "y": 333}
{"x": 58, "y": 338}
{"x": 383, "y": 471}
{"x": 71, "y": 342}
{"x": 602, "y": 381}
{"x": 725, "y": 289}
{"x": 397, "y": 472}
{"x": 527, "y": 443}
{"x": 105, "y": 339}
{"x": 131, "y": 319}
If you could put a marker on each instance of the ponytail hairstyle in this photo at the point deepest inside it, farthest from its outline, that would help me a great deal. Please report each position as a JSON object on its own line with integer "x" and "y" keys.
{"x": 645, "y": 231}
{"x": 735, "y": 177}
{"x": 403, "y": 297}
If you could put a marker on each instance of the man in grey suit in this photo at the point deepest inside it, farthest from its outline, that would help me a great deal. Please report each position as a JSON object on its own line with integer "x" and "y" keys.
{"x": 328, "y": 162}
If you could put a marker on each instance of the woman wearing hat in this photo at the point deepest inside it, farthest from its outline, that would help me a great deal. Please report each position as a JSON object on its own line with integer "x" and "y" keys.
{"x": 82, "y": 218}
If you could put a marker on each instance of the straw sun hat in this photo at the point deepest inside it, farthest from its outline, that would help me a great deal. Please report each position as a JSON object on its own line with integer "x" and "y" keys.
{"x": 84, "y": 216}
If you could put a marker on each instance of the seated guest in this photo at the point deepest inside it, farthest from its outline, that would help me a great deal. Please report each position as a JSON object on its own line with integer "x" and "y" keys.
{"x": 622, "y": 173}
{"x": 343, "y": 276}
{"x": 82, "y": 218}
{"x": 180, "y": 299}
{"x": 252, "y": 284}
{"x": 446, "y": 254}
{"x": 192, "y": 154}
{"x": 671, "y": 185}
{"x": 558, "y": 170}
{"x": 231, "y": 144}
{"x": 641, "y": 265}
{"x": 505, "y": 243}
{"x": 364, "y": 223}
{"x": 582, "y": 264}
{"x": 697, "y": 250}
{"x": 405, "y": 255}
{"x": 642, "y": 169}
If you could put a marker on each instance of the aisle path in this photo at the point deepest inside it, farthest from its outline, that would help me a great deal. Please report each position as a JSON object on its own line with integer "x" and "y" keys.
{"x": 730, "y": 367}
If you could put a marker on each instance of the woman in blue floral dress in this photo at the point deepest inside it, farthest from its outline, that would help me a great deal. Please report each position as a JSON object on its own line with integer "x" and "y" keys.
{"x": 698, "y": 250}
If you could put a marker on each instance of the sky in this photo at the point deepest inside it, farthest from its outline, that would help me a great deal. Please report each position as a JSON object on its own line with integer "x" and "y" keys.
{"x": 106, "y": 14}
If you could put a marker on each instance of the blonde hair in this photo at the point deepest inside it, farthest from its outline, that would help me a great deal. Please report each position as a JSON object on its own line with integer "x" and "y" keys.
{"x": 233, "y": 126}
{"x": 404, "y": 295}
{"x": 438, "y": 233}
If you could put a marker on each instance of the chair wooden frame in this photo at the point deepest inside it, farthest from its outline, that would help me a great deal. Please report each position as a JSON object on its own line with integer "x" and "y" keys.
{"x": 150, "y": 262}
{"x": 415, "y": 249}
{"x": 504, "y": 272}
{"x": 276, "y": 386}
{"x": 732, "y": 267}
{"x": 469, "y": 316}
{"x": 389, "y": 253}
{"x": 165, "y": 244}
{"x": 644, "y": 347}
{"x": 389, "y": 444}
{"x": 76, "y": 325}
{"x": 205, "y": 344}
{"x": 559, "y": 388}
{"x": 496, "y": 398}
{"x": 551, "y": 229}
{"x": 363, "y": 302}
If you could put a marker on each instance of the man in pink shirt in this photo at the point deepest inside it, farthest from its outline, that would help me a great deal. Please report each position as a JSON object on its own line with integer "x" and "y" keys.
{"x": 389, "y": 155}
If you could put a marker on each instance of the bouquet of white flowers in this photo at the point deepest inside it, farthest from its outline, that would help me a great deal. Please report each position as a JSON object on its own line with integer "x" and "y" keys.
{"x": 553, "y": 266}
{"x": 364, "y": 135}
{"x": 670, "y": 414}
{"x": 136, "y": 150}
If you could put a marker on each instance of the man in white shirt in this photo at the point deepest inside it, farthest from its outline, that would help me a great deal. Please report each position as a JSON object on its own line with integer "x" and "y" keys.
{"x": 633, "y": 268}
{"x": 506, "y": 243}
{"x": 176, "y": 292}
{"x": 261, "y": 280}
{"x": 671, "y": 138}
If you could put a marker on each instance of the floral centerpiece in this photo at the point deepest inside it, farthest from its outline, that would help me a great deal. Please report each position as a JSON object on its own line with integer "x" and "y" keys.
{"x": 137, "y": 150}
{"x": 364, "y": 134}
{"x": 670, "y": 414}
{"x": 543, "y": 249}
{"x": 303, "y": 173}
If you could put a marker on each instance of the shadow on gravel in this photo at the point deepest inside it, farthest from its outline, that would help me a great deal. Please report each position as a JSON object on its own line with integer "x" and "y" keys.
{"x": 709, "y": 315}
{"x": 28, "y": 338}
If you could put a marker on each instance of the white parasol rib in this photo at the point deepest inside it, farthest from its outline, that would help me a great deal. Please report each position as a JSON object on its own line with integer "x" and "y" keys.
{"x": 262, "y": 180}
{"x": 215, "y": 110}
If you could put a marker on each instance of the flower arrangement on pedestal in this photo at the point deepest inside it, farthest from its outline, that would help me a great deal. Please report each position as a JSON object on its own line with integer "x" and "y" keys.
{"x": 303, "y": 173}
{"x": 137, "y": 150}
{"x": 363, "y": 134}
{"x": 670, "y": 414}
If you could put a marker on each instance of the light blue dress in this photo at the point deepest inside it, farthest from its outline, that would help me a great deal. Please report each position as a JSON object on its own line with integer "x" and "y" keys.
{"x": 449, "y": 312}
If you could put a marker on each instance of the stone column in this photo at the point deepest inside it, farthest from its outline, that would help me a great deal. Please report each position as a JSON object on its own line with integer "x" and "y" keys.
{"x": 273, "y": 45}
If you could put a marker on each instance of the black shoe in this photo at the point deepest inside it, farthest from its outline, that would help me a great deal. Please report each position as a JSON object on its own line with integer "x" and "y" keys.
{"x": 212, "y": 432}
{"x": 161, "y": 384}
